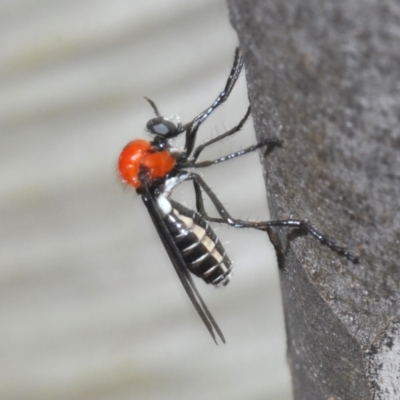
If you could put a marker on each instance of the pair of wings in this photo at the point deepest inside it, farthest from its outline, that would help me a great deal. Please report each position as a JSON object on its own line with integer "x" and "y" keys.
{"x": 179, "y": 264}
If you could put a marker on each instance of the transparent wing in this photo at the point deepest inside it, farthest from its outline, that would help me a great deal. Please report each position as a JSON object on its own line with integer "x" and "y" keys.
{"x": 180, "y": 266}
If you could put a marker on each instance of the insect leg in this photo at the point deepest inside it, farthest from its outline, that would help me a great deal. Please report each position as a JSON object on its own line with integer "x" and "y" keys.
{"x": 235, "y": 129}
{"x": 233, "y": 76}
{"x": 269, "y": 143}
{"x": 304, "y": 225}
{"x": 308, "y": 228}
{"x": 192, "y": 127}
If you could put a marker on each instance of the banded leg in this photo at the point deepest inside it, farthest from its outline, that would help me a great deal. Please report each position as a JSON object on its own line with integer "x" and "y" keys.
{"x": 262, "y": 225}
{"x": 273, "y": 237}
{"x": 235, "y": 129}
{"x": 269, "y": 143}
{"x": 192, "y": 127}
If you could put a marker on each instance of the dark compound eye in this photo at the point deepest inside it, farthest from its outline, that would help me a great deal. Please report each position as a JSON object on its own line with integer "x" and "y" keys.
{"x": 162, "y": 127}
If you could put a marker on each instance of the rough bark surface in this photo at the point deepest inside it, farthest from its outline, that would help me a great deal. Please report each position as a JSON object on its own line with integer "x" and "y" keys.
{"x": 324, "y": 76}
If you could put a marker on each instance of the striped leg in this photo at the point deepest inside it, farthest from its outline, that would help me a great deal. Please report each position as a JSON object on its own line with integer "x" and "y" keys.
{"x": 270, "y": 144}
{"x": 192, "y": 127}
{"x": 232, "y": 131}
{"x": 261, "y": 225}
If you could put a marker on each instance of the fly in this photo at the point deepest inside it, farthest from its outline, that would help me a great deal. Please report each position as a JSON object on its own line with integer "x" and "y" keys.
{"x": 155, "y": 168}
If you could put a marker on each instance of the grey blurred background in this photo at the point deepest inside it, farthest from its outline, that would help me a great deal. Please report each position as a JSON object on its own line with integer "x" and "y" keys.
{"x": 90, "y": 305}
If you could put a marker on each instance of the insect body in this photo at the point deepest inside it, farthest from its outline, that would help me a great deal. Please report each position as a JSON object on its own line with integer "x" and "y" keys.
{"x": 200, "y": 248}
{"x": 155, "y": 168}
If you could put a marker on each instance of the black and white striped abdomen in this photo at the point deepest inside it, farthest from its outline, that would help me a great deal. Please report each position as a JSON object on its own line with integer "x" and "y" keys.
{"x": 202, "y": 251}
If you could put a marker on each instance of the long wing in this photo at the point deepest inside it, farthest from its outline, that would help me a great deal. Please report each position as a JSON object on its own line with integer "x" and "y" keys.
{"x": 180, "y": 265}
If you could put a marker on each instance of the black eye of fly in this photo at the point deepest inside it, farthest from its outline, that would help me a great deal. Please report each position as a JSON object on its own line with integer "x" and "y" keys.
{"x": 162, "y": 127}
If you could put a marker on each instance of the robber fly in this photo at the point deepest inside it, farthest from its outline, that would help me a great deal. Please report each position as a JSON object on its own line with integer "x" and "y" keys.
{"x": 155, "y": 168}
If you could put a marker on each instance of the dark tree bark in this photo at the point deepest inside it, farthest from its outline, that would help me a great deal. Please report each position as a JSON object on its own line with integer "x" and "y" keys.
{"x": 324, "y": 76}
